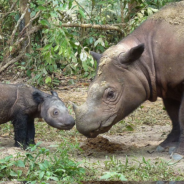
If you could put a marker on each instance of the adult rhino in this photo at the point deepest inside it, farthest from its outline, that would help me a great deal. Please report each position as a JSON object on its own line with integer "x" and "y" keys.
{"x": 147, "y": 64}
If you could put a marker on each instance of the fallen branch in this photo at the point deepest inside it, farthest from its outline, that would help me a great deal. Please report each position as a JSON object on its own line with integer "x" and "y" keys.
{"x": 94, "y": 26}
{"x": 10, "y": 61}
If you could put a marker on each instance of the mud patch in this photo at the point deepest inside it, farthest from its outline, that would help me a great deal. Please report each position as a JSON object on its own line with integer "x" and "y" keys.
{"x": 101, "y": 144}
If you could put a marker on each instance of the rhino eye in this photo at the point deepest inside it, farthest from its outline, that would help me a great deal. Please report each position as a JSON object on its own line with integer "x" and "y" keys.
{"x": 110, "y": 94}
{"x": 55, "y": 112}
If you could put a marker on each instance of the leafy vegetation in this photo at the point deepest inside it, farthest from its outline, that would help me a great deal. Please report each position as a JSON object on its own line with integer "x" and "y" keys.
{"x": 61, "y": 34}
{"x": 39, "y": 164}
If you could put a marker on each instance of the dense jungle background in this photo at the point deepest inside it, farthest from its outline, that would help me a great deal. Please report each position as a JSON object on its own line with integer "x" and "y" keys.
{"x": 46, "y": 43}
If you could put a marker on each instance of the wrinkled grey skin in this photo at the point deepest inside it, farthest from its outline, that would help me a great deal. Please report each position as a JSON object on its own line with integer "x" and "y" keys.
{"x": 22, "y": 103}
{"x": 147, "y": 64}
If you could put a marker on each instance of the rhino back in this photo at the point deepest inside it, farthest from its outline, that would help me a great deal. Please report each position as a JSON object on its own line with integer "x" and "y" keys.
{"x": 8, "y": 95}
{"x": 25, "y": 100}
{"x": 163, "y": 36}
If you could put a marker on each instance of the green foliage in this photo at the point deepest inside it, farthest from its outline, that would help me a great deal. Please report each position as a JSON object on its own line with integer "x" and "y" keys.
{"x": 113, "y": 175}
{"x": 39, "y": 164}
{"x": 143, "y": 170}
{"x": 65, "y": 50}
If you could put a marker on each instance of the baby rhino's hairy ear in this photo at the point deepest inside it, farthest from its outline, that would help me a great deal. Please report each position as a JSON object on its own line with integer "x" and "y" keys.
{"x": 37, "y": 97}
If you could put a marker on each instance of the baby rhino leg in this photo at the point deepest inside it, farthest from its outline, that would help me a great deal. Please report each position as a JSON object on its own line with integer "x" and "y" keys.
{"x": 30, "y": 131}
{"x": 20, "y": 130}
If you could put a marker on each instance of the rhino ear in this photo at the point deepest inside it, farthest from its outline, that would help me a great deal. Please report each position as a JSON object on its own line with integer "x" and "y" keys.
{"x": 37, "y": 97}
{"x": 96, "y": 56}
{"x": 132, "y": 55}
{"x": 54, "y": 93}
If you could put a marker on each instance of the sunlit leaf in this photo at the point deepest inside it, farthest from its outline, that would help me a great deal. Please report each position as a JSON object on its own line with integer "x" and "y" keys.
{"x": 41, "y": 174}
{"x": 44, "y": 22}
{"x": 81, "y": 13}
{"x": 48, "y": 80}
{"x": 13, "y": 173}
{"x": 83, "y": 56}
{"x": 41, "y": 8}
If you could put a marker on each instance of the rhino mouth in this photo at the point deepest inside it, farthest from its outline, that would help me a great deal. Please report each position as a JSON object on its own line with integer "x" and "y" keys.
{"x": 62, "y": 126}
{"x": 103, "y": 127}
{"x": 65, "y": 127}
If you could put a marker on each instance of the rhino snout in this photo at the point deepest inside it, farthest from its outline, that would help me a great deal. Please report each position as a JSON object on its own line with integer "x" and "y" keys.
{"x": 69, "y": 122}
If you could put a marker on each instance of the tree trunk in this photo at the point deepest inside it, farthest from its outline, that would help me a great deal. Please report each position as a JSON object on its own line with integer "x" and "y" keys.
{"x": 27, "y": 43}
{"x": 132, "y": 8}
{"x": 122, "y": 6}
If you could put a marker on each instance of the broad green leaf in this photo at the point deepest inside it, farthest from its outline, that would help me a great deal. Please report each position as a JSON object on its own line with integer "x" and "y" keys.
{"x": 99, "y": 41}
{"x": 150, "y": 12}
{"x": 83, "y": 56}
{"x": 46, "y": 164}
{"x": 56, "y": 47}
{"x": 44, "y": 22}
{"x": 19, "y": 172}
{"x": 42, "y": 167}
{"x": 48, "y": 80}
{"x": 42, "y": 8}
{"x": 54, "y": 14}
{"x": 6, "y": 159}
{"x": 60, "y": 51}
{"x": 129, "y": 128}
{"x": 13, "y": 173}
{"x": 122, "y": 177}
{"x": 47, "y": 47}
{"x": 70, "y": 4}
{"x": 11, "y": 48}
{"x": 41, "y": 175}
{"x": 19, "y": 163}
{"x": 106, "y": 176}
{"x": 81, "y": 13}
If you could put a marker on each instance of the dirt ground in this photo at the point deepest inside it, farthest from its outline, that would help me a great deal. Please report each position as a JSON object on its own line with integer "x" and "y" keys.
{"x": 150, "y": 125}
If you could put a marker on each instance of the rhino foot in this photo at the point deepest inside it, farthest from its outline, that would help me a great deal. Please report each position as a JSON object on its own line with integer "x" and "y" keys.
{"x": 171, "y": 150}
{"x": 176, "y": 156}
{"x": 160, "y": 149}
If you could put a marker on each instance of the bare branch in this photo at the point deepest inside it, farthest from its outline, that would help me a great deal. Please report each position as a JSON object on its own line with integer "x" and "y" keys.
{"x": 94, "y": 26}
{"x": 10, "y": 61}
{"x": 12, "y": 7}
{"x": 15, "y": 29}
{"x": 36, "y": 16}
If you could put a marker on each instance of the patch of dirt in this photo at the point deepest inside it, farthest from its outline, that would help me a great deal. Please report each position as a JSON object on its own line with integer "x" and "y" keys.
{"x": 101, "y": 144}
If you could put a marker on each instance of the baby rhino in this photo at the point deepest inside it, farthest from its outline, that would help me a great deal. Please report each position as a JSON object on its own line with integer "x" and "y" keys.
{"x": 22, "y": 103}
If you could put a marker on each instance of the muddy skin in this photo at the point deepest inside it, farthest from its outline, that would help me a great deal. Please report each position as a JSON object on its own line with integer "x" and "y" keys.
{"x": 147, "y": 64}
{"x": 22, "y": 103}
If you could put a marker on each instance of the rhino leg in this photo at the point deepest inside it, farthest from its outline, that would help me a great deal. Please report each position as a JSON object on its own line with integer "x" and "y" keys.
{"x": 30, "y": 131}
{"x": 172, "y": 108}
{"x": 20, "y": 130}
{"x": 179, "y": 153}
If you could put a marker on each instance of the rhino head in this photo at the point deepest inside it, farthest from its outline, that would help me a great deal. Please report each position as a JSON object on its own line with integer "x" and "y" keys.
{"x": 118, "y": 88}
{"x": 53, "y": 110}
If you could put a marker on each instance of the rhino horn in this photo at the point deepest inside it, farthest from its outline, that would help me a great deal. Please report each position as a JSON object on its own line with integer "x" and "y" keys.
{"x": 74, "y": 107}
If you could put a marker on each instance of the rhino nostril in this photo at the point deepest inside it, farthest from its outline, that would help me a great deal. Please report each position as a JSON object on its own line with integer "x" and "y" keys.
{"x": 70, "y": 122}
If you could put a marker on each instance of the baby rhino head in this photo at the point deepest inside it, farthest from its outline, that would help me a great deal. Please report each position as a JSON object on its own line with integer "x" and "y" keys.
{"x": 53, "y": 110}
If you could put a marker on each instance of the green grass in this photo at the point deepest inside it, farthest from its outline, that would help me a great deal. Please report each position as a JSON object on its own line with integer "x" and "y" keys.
{"x": 144, "y": 170}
